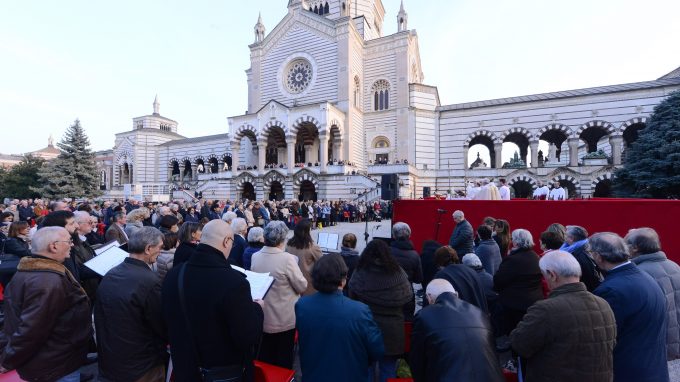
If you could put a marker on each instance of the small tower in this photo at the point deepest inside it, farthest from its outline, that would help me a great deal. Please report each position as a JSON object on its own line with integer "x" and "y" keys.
{"x": 259, "y": 30}
{"x": 402, "y": 19}
{"x": 156, "y": 106}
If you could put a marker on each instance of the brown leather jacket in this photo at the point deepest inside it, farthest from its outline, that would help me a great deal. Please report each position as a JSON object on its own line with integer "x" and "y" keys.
{"x": 47, "y": 321}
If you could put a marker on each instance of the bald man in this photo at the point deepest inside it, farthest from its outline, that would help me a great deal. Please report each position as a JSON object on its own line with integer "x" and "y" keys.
{"x": 226, "y": 323}
{"x": 47, "y": 314}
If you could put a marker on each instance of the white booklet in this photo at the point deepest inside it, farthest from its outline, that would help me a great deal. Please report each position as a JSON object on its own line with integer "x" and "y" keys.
{"x": 108, "y": 256}
{"x": 259, "y": 282}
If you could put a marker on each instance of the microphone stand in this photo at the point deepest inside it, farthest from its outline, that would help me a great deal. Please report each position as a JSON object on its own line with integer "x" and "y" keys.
{"x": 438, "y": 224}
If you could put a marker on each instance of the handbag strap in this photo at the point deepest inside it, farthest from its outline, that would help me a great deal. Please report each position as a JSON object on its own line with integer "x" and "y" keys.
{"x": 183, "y": 306}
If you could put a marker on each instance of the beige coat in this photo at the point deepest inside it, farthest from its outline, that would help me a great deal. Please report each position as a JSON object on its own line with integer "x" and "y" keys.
{"x": 308, "y": 257}
{"x": 289, "y": 283}
{"x": 249, "y": 217}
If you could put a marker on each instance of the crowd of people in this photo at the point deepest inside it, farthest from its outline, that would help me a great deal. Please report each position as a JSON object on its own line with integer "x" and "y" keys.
{"x": 587, "y": 307}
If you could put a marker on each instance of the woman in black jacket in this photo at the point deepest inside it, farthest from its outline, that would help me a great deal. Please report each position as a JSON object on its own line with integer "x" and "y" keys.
{"x": 17, "y": 242}
{"x": 189, "y": 235}
{"x": 380, "y": 283}
{"x": 518, "y": 280}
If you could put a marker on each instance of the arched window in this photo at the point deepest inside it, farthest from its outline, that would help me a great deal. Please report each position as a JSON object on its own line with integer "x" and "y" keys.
{"x": 381, "y": 95}
{"x": 316, "y": 9}
{"x": 325, "y": 9}
{"x": 381, "y": 143}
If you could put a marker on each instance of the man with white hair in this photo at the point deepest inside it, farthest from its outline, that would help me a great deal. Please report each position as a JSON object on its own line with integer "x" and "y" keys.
{"x": 646, "y": 253}
{"x": 240, "y": 228}
{"x": 571, "y": 335}
{"x": 452, "y": 340}
{"x": 229, "y": 216}
{"x": 462, "y": 237}
{"x": 409, "y": 260}
{"x": 47, "y": 323}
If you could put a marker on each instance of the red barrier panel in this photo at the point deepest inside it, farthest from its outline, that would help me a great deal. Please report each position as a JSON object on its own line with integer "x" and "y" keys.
{"x": 596, "y": 215}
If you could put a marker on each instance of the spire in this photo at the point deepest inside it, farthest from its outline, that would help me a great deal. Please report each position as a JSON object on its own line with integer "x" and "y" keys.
{"x": 156, "y": 106}
{"x": 259, "y": 30}
{"x": 402, "y": 19}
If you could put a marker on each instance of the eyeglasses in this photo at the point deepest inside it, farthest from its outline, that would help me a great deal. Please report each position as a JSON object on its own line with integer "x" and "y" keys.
{"x": 70, "y": 241}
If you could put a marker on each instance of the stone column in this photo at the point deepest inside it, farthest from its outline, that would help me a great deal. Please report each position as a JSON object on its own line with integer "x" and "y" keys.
{"x": 466, "y": 152}
{"x": 498, "y": 149}
{"x": 323, "y": 152}
{"x": 290, "y": 151}
{"x": 573, "y": 151}
{"x": 261, "y": 156}
{"x": 235, "y": 153}
{"x": 616, "y": 142}
{"x": 534, "y": 153}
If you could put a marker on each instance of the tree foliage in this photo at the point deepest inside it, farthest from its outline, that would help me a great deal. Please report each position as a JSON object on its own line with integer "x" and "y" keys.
{"x": 19, "y": 181}
{"x": 73, "y": 173}
{"x": 652, "y": 165}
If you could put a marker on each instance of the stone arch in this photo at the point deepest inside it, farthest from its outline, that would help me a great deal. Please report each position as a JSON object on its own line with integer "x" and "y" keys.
{"x": 272, "y": 124}
{"x": 598, "y": 123}
{"x": 304, "y": 175}
{"x": 604, "y": 176}
{"x": 199, "y": 157}
{"x": 172, "y": 161}
{"x": 562, "y": 177}
{"x": 482, "y": 133}
{"x": 243, "y": 131}
{"x": 124, "y": 157}
{"x": 523, "y": 177}
{"x": 632, "y": 121}
{"x": 244, "y": 178}
{"x": 302, "y": 120}
{"x": 601, "y": 186}
{"x": 555, "y": 127}
{"x": 212, "y": 156}
{"x": 273, "y": 176}
{"x": 516, "y": 130}
{"x": 379, "y": 138}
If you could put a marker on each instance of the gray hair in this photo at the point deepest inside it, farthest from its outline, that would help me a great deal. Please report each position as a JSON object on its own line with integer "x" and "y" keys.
{"x": 239, "y": 225}
{"x": 164, "y": 210}
{"x": 472, "y": 261}
{"x": 144, "y": 237}
{"x": 275, "y": 233}
{"x": 229, "y": 216}
{"x": 256, "y": 234}
{"x": 522, "y": 238}
{"x": 401, "y": 231}
{"x": 577, "y": 232}
{"x": 563, "y": 263}
{"x": 45, "y": 236}
{"x": 645, "y": 240}
{"x": 138, "y": 214}
{"x": 458, "y": 214}
{"x": 439, "y": 286}
{"x": 81, "y": 216}
{"x": 609, "y": 246}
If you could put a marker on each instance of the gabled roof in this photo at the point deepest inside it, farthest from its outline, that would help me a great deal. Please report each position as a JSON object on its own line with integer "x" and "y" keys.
{"x": 566, "y": 94}
{"x": 673, "y": 74}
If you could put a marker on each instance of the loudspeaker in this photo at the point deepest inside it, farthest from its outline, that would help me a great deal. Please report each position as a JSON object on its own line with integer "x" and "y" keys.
{"x": 426, "y": 192}
{"x": 389, "y": 187}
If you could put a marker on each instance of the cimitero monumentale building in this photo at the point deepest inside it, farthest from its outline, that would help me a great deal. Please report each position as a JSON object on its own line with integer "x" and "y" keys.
{"x": 331, "y": 100}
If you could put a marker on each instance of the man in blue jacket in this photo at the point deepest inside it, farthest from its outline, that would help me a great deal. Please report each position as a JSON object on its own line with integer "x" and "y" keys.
{"x": 337, "y": 336}
{"x": 462, "y": 237}
{"x": 639, "y": 308}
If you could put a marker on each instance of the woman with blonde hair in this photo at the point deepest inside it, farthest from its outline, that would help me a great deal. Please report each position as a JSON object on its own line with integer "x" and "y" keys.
{"x": 135, "y": 219}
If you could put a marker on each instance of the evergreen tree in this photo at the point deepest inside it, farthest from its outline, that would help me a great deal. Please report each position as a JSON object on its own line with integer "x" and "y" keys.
{"x": 652, "y": 165}
{"x": 20, "y": 180}
{"x": 73, "y": 173}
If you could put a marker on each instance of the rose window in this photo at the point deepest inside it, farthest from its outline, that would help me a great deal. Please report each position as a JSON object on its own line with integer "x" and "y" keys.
{"x": 298, "y": 76}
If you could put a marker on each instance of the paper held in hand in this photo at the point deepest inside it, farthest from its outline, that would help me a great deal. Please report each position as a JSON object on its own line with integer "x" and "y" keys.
{"x": 108, "y": 256}
{"x": 259, "y": 282}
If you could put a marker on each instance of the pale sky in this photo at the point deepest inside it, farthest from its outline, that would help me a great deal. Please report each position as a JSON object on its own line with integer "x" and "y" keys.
{"x": 103, "y": 62}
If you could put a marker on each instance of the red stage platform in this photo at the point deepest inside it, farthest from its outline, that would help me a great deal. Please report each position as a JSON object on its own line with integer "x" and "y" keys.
{"x": 596, "y": 215}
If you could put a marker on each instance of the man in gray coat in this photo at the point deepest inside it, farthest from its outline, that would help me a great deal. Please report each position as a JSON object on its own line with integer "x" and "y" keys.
{"x": 645, "y": 250}
{"x": 462, "y": 238}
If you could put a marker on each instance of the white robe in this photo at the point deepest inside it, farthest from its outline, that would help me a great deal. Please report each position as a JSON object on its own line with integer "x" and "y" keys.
{"x": 558, "y": 194}
{"x": 541, "y": 191}
{"x": 505, "y": 192}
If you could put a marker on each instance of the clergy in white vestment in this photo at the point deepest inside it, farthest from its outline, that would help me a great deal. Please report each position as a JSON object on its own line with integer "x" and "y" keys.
{"x": 557, "y": 193}
{"x": 542, "y": 191}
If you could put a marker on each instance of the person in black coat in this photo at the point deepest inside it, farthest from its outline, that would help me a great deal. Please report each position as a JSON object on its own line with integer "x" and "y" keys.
{"x": 17, "y": 244}
{"x": 188, "y": 236}
{"x": 464, "y": 280}
{"x": 349, "y": 255}
{"x": 240, "y": 228}
{"x": 575, "y": 243}
{"x": 409, "y": 260}
{"x": 427, "y": 261}
{"x": 452, "y": 340}
{"x": 518, "y": 280}
{"x": 225, "y": 323}
{"x": 131, "y": 333}
{"x": 462, "y": 237}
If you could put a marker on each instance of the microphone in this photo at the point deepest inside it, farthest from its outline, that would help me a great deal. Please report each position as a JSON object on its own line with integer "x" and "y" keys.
{"x": 441, "y": 211}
